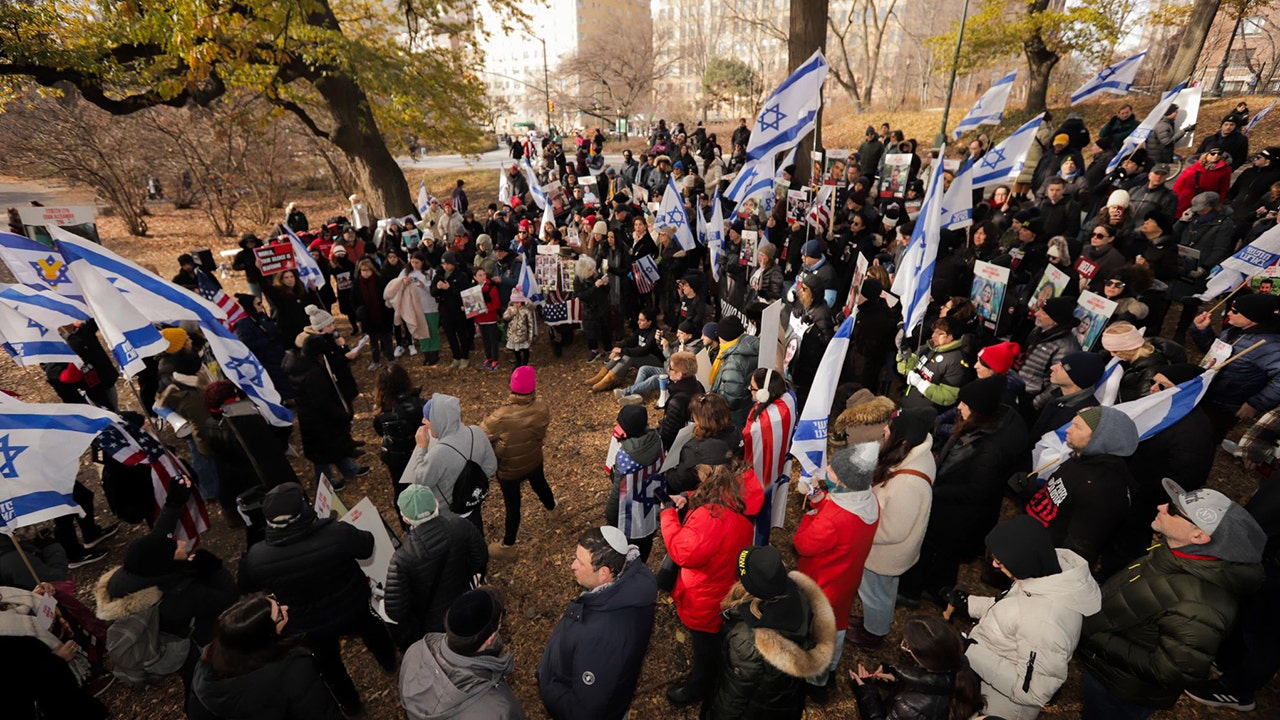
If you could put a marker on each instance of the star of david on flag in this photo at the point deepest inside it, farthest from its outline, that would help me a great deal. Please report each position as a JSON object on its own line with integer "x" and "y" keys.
{"x": 989, "y": 110}
{"x": 1115, "y": 79}
{"x": 671, "y": 214}
{"x": 791, "y": 110}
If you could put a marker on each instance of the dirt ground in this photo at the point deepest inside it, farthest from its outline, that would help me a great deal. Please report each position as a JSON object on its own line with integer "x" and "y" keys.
{"x": 539, "y": 583}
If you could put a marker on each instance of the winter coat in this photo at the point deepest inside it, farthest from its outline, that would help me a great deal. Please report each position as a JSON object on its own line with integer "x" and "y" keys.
{"x": 312, "y": 567}
{"x": 1061, "y": 409}
{"x": 833, "y": 541}
{"x": 1146, "y": 198}
{"x": 1197, "y": 179}
{"x": 972, "y": 470}
{"x": 289, "y": 688}
{"x": 706, "y": 548}
{"x": 820, "y": 328}
{"x": 439, "y": 465}
{"x": 517, "y": 431}
{"x": 520, "y": 327}
{"x": 1236, "y": 145}
{"x": 450, "y": 297}
{"x": 1044, "y": 348}
{"x": 437, "y": 683}
{"x": 593, "y": 660}
{"x": 733, "y": 381}
{"x": 768, "y": 284}
{"x": 406, "y": 303}
{"x": 260, "y": 334}
{"x": 1211, "y": 235}
{"x": 762, "y": 669}
{"x": 1024, "y": 639}
{"x": 1139, "y": 374}
{"x": 676, "y": 414}
{"x": 1163, "y": 137}
{"x": 1115, "y": 131}
{"x": 323, "y": 422}
{"x": 288, "y": 310}
{"x": 139, "y": 651}
{"x": 945, "y": 368}
{"x": 434, "y": 565}
{"x": 642, "y": 344}
{"x": 1254, "y": 378}
{"x": 1106, "y": 261}
{"x": 398, "y": 428}
{"x": 917, "y": 695}
{"x": 1161, "y": 623}
{"x": 905, "y": 501}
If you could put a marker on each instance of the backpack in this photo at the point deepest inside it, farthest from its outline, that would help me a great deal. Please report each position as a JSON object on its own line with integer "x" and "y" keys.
{"x": 472, "y": 485}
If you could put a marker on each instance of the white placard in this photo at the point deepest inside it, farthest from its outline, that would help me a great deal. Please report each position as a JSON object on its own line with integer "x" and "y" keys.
{"x": 48, "y": 610}
{"x": 365, "y": 516}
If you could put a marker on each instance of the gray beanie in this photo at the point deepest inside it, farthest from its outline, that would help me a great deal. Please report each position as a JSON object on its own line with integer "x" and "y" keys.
{"x": 854, "y": 467}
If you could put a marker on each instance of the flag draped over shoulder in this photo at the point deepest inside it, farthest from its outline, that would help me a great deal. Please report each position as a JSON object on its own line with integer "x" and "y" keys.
{"x": 768, "y": 448}
{"x": 637, "y": 500}
{"x": 791, "y": 111}
{"x": 809, "y": 443}
{"x": 1115, "y": 79}
{"x": 131, "y": 447}
{"x": 989, "y": 110}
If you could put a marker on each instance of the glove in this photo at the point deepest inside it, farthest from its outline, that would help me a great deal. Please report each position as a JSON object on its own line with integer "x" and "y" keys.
{"x": 178, "y": 494}
{"x": 1186, "y": 215}
{"x": 1197, "y": 272}
{"x": 1023, "y": 486}
{"x": 958, "y": 598}
{"x": 919, "y": 383}
{"x": 900, "y": 340}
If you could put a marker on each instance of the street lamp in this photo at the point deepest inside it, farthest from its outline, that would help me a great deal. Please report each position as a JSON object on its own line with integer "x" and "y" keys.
{"x": 546, "y": 85}
{"x": 951, "y": 83}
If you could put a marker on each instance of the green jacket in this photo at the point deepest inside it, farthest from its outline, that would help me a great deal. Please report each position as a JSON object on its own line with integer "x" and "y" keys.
{"x": 944, "y": 367}
{"x": 733, "y": 381}
{"x": 1161, "y": 623}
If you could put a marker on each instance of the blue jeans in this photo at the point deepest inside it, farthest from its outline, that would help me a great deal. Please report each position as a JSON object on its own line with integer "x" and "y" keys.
{"x": 879, "y": 594}
{"x": 346, "y": 466}
{"x": 206, "y": 472}
{"x": 646, "y": 380}
{"x": 1100, "y": 704}
{"x": 831, "y": 667}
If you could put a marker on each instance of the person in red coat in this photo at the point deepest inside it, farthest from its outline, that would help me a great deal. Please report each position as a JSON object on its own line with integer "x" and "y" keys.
{"x": 488, "y": 320}
{"x": 706, "y": 548}
{"x": 1208, "y": 174}
{"x": 835, "y": 535}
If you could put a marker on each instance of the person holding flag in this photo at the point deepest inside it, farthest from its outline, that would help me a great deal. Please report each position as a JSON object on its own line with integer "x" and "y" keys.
{"x": 1250, "y": 386}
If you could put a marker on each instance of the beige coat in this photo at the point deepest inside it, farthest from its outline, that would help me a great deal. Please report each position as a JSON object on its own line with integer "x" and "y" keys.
{"x": 905, "y": 501}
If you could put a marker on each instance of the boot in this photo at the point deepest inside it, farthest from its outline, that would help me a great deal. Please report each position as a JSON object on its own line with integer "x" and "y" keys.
{"x": 662, "y": 398}
{"x": 610, "y": 381}
{"x": 600, "y": 375}
{"x": 555, "y": 514}
{"x": 498, "y": 551}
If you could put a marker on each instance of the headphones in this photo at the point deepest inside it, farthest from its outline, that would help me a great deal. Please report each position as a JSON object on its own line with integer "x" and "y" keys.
{"x": 762, "y": 395}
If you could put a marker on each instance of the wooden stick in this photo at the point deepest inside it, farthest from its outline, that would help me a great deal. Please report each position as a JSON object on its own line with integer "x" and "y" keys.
{"x": 1240, "y": 354}
{"x": 25, "y": 560}
{"x": 1231, "y": 294}
{"x": 946, "y": 614}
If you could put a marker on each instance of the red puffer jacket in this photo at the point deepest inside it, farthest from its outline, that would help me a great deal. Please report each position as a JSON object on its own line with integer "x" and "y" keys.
{"x": 833, "y": 544}
{"x": 706, "y": 548}
{"x": 1197, "y": 179}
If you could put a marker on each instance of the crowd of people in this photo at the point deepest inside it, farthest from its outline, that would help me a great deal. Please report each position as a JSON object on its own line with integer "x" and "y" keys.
{"x": 929, "y": 467}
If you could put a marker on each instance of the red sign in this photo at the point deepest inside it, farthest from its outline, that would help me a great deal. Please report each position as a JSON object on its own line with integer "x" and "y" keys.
{"x": 274, "y": 259}
{"x": 1086, "y": 269}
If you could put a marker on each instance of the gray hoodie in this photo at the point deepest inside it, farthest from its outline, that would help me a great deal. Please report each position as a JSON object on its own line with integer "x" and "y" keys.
{"x": 437, "y": 683}
{"x": 452, "y": 444}
{"x": 1116, "y": 434}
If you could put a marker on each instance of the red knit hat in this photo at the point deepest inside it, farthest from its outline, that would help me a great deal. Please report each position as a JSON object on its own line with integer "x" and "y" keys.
{"x": 71, "y": 375}
{"x": 999, "y": 357}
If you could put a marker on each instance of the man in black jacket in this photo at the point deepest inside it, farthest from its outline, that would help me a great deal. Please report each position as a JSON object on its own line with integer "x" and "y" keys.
{"x": 1252, "y": 185}
{"x": 458, "y": 328}
{"x": 311, "y": 565}
{"x": 1073, "y": 378}
{"x": 592, "y": 662}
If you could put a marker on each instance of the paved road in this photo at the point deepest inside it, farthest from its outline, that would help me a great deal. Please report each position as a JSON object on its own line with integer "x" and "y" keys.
{"x": 491, "y": 160}
{"x": 14, "y": 193}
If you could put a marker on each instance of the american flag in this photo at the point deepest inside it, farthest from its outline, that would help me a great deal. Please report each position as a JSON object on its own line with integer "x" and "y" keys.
{"x": 210, "y": 291}
{"x": 562, "y": 313}
{"x": 637, "y": 499}
{"x": 645, "y": 271}
{"x": 130, "y": 446}
{"x": 767, "y": 443}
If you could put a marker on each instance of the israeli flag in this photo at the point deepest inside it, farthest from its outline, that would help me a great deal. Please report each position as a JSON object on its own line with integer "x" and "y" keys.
{"x": 535, "y": 187}
{"x": 504, "y": 189}
{"x": 915, "y": 271}
{"x": 957, "y": 202}
{"x": 37, "y": 266}
{"x": 307, "y": 267}
{"x": 548, "y": 218}
{"x": 1107, "y": 389}
{"x": 160, "y": 301}
{"x": 1260, "y": 114}
{"x": 754, "y": 179}
{"x": 1138, "y": 137}
{"x": 47, "y": 308}
{"x": 989, "y": 110}
{"x": 31, "y": 343}
{"x": 671, "y": 214}
{"x": 130, "y": 335}
{"x": 528, "y": 283}
{"x": 715, "y": 236}
{"x": 791, "y": 111}
{"x": 40, "y": 449}
{"x": 1008, "y": 158}
{"x": 1115, "y": 79}
{"x": 809, "y": 444}
{"x": 1248, "y": 261}
{"x": 1152, "y": 414}
{"x": 424, "y": 199}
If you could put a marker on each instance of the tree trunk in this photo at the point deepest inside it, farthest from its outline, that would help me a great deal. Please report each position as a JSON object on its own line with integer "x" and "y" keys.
{"x": 355, "y": 133}
{"x": 1193, "y": 38}
{"x": 808, "y": 33}
{"x": 1040, "y": 63}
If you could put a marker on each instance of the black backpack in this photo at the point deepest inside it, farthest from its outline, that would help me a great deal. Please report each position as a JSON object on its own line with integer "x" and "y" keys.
{"x": 472, "y": 485}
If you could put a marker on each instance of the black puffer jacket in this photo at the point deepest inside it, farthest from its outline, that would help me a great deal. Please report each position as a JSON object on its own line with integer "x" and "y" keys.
{"x": 1139, "y": 374}
{"x": 288, "y": 689}
{"x": 429, "y": 571}
{"x": 917, "y": 695}
{"x": 311, "y": 567}
{"x": 679, "y": 394}
{"x": 397, "y": 427}
{"x": 1044, "y": 348}
{"x": 323, "y": 422}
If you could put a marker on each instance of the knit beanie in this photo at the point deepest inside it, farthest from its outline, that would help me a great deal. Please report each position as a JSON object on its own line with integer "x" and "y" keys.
{"x": 1062, "y": 310}
{"x": 729, "y": 329}
{"x": 524, "y": 380}
{"x": 1024, "y": 546}
{"x": 999, "y": 357}
{"x": 177, "y": 338}
{"x": 761, "y": 571}
{"x": 914, "y": 425}
{"x": 1092, "y": 416}
{"x": 1257, "y": 307}
{"x": 769, "y": 250}
{"x": 854, "y": 467}
{"x": 320, "y": 318}
{"x": 1084, "y": 368}
{"x": 983, "y": 396}
{"x": 634, "y": 420}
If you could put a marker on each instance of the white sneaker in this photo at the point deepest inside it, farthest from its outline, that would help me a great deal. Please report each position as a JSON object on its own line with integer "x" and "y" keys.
{"x": 398, "y": 351}
{"x": 413, "y": 350}
{"x": 462, "y": 364}
{"x": 1232, "y": 448}
{"x": 373, "y": 366}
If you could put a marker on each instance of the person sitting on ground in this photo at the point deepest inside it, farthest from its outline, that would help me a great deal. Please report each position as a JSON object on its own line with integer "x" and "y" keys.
{"x": 938, "y": 684}
{"x": 636, "y": 351}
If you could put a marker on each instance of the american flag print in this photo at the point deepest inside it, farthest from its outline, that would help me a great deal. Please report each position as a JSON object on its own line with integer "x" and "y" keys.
{"x": 767, "y": 443}
{"x": 637, "y": 496}
{"x": 131, "y": 447}
{"x": 210, "y": 291}
{"x": 645, "y": 271}
{"x": 562, "y": 313}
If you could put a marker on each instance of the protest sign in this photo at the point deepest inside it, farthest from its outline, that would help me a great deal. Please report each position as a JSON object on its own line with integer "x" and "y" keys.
{"x": 837, "y": 164}
{"x": 275, "y": 259}
{"x": 1052, "y": 283}
{"x": 547, "y": 271}
{"x": 859, "y": 274}
{"x": 1093, "y": 311}
{"x": 704, "y": 367}
{"x": 897, "y": 171}
{"x": 750, "y": 248}
{"x": 76, "y": 219}
{"x": 365, "y": 516}
{"x": 773, "y": 337}
{"x": 1218, "y": 353}
{"x": 473, "y": 301}
{"x": 989, "y": 285}
{"x": 327, "y": 501}
{"x": 797, "y": 204}
{"x": 48, "y": 611}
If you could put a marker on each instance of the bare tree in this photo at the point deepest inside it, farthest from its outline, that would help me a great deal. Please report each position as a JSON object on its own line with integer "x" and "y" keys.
{"x": 610, "y": 78}
{"x": 864, "y": 25}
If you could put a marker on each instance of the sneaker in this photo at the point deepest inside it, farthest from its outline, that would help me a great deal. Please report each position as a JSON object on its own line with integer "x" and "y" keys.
{"x": 462, "y": 364}
{"x": 619, "y": 393}
{"x": 362, "y": 470}
{"x": 498, "y": 551}
{"x": 1214, "y": 694}
{"x": 98, "y": 684}
{"x": 399, "y": 351}
{"x": 1233, "y": 449}
{"x": 632, "y": 399}
{"x": 413, "y": 350}
{"x": 338, "y": 483}
{"x": 89, "y": 557}
{"x": 372, "y": 366}
{"x": 103, "y": 534}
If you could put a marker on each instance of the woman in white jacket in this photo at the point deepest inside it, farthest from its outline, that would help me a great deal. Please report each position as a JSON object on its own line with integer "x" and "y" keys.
{"x": 1025, "y": 637}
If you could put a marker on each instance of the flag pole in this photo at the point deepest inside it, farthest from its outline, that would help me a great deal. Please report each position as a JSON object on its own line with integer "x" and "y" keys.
{"x": 1231, "y": 294}
{"x": 25, "y": 560}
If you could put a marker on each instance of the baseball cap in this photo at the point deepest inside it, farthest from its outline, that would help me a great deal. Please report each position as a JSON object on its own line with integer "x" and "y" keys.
{"x": 1205, "y": 508}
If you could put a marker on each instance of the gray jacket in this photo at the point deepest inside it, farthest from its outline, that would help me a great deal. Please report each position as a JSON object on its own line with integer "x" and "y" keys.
{"x": 439, "y": 465}
{"x": 1162, "y": 139}
{"x": 437, "y": 683}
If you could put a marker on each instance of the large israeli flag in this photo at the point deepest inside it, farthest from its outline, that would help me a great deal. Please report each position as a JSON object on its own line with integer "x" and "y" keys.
{"x": 1151, "y": 414}
{"x": 1114, "y": 79}
{"x": 40, "y": 448}
{"x": 1007, "y": 159}
{"x": 671, "y": 214}
{"x": 809, "y": 444}
{"x": 36, "y": 265}
{"x": 129, "y": 334}
{"x": 791, "y": 111}
{"x": 1138, "y": 137}
{"x": 161, "y": 301}
{"x": 989, "y": 110}
{"x": 45, "y": 307}
{"x": 1248, "y": 261}
{"x": 915, "y": 271}
{"x": 755, "y": 178}
{"x": 715, "y": 236}
{"x": 30, "y": 343}
{"x": 307, "y": 267}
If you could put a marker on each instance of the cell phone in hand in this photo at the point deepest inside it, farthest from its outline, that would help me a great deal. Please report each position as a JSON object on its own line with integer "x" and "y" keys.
{"x": 662, "y": 495}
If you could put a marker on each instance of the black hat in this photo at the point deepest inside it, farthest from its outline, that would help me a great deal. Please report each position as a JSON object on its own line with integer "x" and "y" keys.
{"x": 729, "y": 329}
{"x": 186, "y": 363}
{"x": 814, "y": 282}
{"x": 1024, "y": 547}
{"x": 247, "y": 238}
{"x": 688, "y": 327}
{"x": 1178, "y": 373}
{"x": 1062, "y": 310}
{"x": 285, "y": 503}
{"x": 472, "y": 619}
{"x": 915, "y": 424}
{"x": 634, "y": 420}
{"x": 246, "y": 300}
{"x": 150, "y": 555}
{"x": 761, "y": 571}
{"x": 1084, "y": 368}
{"x": 871, "y": 289}
{"x": 1160, "y": 218}
{"x": 450, "y": 257}
{"x": 983, "y": 396}
{"x": 1258, "y": 307}
{"x": 711, "y": 451}
{"x": 186, "y": 259}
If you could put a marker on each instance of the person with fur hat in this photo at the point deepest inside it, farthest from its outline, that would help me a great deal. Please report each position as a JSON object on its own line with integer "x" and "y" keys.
{"x": 1163, "y": 619}
{"x": 433, "y": 566}
{"x": 835, "y": 536}
{"x": 593, "y": 660}
{"x": 639, "y": 455}
{"x": 934, "y": 375}
{"x": 1024, "y": 638}
{"x": 780, "y": 630}
{"x": 1073, "y": 379}
{"x": 460, "y": 673}
{"x": 311, "y": 565}
{"x": 1051, "y": 340}
{"x": 1249, "y": 386}
{"x": 865, "y": 417}
{"x": 517, "y": 431}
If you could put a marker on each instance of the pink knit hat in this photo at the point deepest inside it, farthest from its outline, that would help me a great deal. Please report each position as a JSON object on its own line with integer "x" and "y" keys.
{"x": 524, "y": 380}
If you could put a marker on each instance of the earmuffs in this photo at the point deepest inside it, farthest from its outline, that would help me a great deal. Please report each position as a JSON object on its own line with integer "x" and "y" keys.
{"x": 762, "y": 395}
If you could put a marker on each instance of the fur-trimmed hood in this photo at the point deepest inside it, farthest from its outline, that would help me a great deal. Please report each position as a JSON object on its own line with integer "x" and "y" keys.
{"x": 783, "y": 653}
{"x": 863, "y": 422}
{"x": 111, "y": 609}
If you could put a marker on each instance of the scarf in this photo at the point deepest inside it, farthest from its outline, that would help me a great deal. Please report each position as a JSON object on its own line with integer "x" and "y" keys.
{"x": 715, "y": 366}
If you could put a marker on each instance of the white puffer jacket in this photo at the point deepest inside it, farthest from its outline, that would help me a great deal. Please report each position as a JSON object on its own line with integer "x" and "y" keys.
{"x": 1039, "y": 615}
{"x": 905, "y": 499}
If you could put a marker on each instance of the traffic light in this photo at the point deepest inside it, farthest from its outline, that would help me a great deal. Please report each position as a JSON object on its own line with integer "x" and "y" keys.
{"x": 551, "y": 106}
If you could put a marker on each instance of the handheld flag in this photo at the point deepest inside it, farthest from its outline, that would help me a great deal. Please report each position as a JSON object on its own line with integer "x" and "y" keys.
{"x": 715, "y": 236}
{"x": 1259, "y": 115}
{"x": 535, "y": 187}
{"x": 425, "y": 198}
{"x": 47, "y": 308}
{"x": 786, "y": 161}
{"x": 307, "y": 267}
{"x": 1116, "y": 79}
{"x": 915, "y": 270}
{"x": 645, "y": 272}
{"x": 211, "y": 291}
{"x": 754, "y": 179}
{"x": 809, "y": 444}
{"x": 671, "y": 214}
{"x": 1139, "y": 136}
{"x": 130, "y": 335}
{"x": 989, "y": 110}
{"x": 957, "y": 202}
{"x": 1247, "y": 262}
{"x": 504, "y": 188}
{"x": 37, "y": 266}
{"x": 1008, "y": 158}
{"x": 528, "y": 283}
{"x": 29, "y": 342}
{"x": 791, "y": 111}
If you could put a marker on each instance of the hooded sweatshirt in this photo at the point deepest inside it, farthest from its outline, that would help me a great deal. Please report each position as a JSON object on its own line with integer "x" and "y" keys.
{"x": 452, "y": 444}
{"x": 437, "y": 683}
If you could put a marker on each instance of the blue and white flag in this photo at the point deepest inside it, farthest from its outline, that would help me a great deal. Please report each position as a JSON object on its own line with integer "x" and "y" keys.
{"x": 535, "y": 187}
{"x": 715, "y": 236}
{"x": 779, "y": 177}
{"x": 671, "y": 214}
{"x": 989, "y": 110}
{"x": 645, "y": 272}
{"x": 1248, "y": 261}
{"x": 40, "y": 449}
{"x": 755, "y": 178}
{"x": 307, "y": 267}
{"x": 957, "y": 202}
{"x": 1007, "y": 159}
{"x": 1138, "y": 137}
{"x": 809, "y": 444}
{"x": 425, "y": 198}
{"x": 528, "y": 282}
{"x": 160, "y": 301}
{"x": 31, "y": 343}
{"x": 46, "y": 308}
{"x": 37, "y": 266}
{"x": 1114, "y": 79}
{"x": 504, "y": 188}
{"x": 1151, "y": 414}
{"x": 915, "y": 271}
{"x": 791, "y": 111}
{"x": 1259, "y": 115}
{"x": 129, "y": 334}
{"x": 1107, "y": 389}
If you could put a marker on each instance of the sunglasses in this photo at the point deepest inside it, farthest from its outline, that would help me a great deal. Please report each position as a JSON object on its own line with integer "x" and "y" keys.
{"x": 1100, "y": 235}
{"x": 1212, "y": 153}
{"x": 1174, "y": 511}
{"x": 1115, "y": 283}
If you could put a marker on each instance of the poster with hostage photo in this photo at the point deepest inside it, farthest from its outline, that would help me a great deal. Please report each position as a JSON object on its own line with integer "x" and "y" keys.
{"x": 987, "y": 294}
{"x": 1093, "y": 311}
